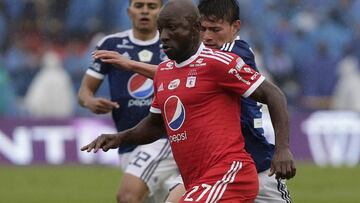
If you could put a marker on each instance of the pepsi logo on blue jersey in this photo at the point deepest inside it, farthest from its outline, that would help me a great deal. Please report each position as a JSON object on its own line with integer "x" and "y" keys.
{"x": 174, "y": 112}
{"x": 140, "y": 87}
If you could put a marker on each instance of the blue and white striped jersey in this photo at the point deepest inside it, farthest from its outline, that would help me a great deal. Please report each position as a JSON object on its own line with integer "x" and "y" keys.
{"x": 132, "y": 91}
{"x": 251, "y": 117}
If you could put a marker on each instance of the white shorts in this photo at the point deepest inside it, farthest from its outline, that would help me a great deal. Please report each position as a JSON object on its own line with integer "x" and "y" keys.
{"x": 270, "y": 189}
{"x": 154, "y": 164}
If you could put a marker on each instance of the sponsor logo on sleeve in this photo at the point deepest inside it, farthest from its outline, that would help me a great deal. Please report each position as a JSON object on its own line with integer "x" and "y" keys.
{"x": 96, "y": 66}
{"x": 234, "y": 72}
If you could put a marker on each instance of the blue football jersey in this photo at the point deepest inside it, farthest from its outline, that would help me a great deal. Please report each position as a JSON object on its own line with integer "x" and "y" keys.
{"x": 255, "y": 142}
{"x": 133, "y": 92}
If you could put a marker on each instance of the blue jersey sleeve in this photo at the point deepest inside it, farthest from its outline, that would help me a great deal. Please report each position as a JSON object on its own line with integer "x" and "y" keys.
{"x": 97, "y": 66}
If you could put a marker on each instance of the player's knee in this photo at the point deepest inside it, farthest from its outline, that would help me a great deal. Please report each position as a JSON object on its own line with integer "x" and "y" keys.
{"x": 129, "y": 197}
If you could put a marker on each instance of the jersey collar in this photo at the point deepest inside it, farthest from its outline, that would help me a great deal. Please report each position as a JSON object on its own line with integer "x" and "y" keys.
{"x": 143, "y": 43}
{"x": 191, "y": 59}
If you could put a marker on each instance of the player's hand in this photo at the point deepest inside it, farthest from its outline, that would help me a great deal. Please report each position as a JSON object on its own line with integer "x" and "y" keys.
{"x": 112, "y": 57}
{"x": 104, "y": 142}
{"x": 101, "y": 105}
{"x": 282, "y": 164}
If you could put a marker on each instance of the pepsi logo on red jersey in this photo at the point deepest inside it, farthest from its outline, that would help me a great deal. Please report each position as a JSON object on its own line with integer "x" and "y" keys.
{"x": 140, "y": 87}
{"x": 174, "y": 112}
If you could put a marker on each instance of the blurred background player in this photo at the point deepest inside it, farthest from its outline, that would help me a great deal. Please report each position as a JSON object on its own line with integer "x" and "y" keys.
{"x": 220, "y": 24}
{"x": 146, "y": 168}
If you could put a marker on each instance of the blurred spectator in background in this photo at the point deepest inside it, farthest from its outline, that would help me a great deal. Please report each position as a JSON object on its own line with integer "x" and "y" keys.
{"x": 51, "y": 93}
{"x": 345, "y": 96}
{"x": 318, "y": 78}
{"x": 7, "y": 98}
{"x": 281, "y": 68}
{"x": 76, "y": 59}
{"x": 22, "y": 59}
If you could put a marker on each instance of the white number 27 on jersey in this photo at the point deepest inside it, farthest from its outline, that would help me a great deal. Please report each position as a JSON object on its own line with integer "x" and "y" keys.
{"x": 206, "y": 188}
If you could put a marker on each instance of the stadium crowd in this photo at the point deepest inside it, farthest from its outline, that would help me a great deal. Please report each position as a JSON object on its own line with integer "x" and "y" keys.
{"x": 309, "y": 48}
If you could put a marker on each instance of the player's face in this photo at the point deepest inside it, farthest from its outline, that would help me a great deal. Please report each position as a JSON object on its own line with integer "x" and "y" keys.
{"x": 214, "y": 33}
{"x": 176, "y": 35}
{"x": 143, "y": 14}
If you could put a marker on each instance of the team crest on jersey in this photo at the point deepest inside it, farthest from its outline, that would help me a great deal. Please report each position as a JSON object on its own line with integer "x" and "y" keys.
{"x": 190, "y": 81}
{"x": 145, "y": 56}
{"x": 140, "y": 87}
{"x": 174, "y": 112}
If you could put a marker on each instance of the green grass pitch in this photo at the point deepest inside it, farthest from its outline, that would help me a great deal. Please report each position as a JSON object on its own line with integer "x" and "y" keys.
{"x": 95, "y": 184}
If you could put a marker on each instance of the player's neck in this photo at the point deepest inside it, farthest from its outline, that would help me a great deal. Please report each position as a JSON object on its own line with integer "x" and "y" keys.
{"x": 144, "y": 36}
{"x": 189, "y": 53}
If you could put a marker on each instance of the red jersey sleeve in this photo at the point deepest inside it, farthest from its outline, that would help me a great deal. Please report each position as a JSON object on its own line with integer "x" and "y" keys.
{"x": 155, "y": 108}
{"x": 238, "y": 77}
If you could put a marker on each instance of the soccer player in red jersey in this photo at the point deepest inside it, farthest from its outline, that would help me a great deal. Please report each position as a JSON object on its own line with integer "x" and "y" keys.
{"x": 197, "y": 97}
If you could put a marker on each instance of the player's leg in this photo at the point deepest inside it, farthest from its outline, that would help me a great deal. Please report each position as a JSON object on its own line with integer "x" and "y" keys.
{"x": 147, "y": 169}
{"x": 272, "y": 190}
{"x": 177, "y": 190}
{"x": 132, "y": 189}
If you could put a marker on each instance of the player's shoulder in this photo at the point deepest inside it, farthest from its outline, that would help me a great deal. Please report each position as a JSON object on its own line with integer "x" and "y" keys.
{"x": 214, "y": 56}
{"x": 115, "y": 37}
{"x": 238, "y": 46}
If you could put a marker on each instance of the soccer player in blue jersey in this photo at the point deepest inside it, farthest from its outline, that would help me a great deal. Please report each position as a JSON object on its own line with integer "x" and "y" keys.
{"x": 147, "y": 168}
{"x": 220, "y": 24}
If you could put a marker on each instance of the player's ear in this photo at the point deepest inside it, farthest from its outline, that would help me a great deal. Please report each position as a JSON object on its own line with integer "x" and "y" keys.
{"x": 236, "y": 26}
{"x": 197, "y": 26}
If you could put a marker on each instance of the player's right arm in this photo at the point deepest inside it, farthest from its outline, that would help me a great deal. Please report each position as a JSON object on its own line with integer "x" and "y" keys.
{"x": 87, "y": 98}
{"x": 146, "y": 131}
{"x": 121, "y": 62}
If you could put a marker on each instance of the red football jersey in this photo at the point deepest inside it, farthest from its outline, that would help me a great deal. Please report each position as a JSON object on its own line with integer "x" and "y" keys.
{"x": 199, "y": 100}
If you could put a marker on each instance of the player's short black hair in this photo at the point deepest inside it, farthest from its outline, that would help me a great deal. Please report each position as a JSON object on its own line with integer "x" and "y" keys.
{"x": 220, "y": 9}
{"x": 161, "y": 2}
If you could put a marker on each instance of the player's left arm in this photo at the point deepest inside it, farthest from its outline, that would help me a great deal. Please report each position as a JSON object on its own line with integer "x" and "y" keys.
{"x": 282, "y": 165}
{"x": 121, "y": 62}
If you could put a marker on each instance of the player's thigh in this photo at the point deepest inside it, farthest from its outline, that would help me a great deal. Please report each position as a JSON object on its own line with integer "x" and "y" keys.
{"x": 237, "y": 183}
{"x": 132, "y": 188}
{"x": 176, "y": 191}
{"x": 153, "y": 164}
{"x": 272, "y": 190}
